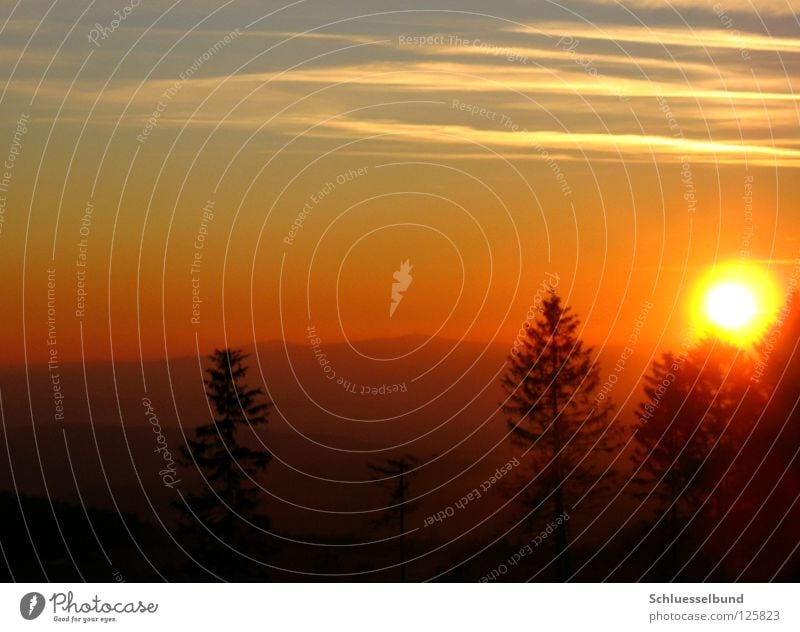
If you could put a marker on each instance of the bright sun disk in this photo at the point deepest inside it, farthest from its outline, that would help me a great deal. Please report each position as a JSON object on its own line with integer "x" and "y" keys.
{"x": 730, "y": 305}
{"x": 737, "y": 302}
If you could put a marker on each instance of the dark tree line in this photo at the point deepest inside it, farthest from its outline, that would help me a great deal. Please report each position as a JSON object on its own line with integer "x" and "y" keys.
{"x": 714, "y": 474}
{"x": 714, "y": 442}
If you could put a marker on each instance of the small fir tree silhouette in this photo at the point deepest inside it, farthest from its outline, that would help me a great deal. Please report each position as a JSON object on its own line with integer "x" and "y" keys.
{"x": 393, "y": 473}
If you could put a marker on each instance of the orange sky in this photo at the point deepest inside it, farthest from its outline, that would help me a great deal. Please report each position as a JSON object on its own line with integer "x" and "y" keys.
{"x": 614, "y": 152}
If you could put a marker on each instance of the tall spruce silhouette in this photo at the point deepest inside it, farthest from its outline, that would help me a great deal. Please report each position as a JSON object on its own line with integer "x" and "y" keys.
{"x": 229, "y": 498}
{"x": 551, "y": 382}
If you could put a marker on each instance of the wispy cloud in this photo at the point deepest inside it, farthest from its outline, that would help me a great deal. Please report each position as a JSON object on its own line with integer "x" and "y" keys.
{"x": 640, "y": 147}
{"x": 666, "y": 36}
{"x": 767, "y": 7}
{"x": 701, "y": 108}
{"x": 433, "y": 76}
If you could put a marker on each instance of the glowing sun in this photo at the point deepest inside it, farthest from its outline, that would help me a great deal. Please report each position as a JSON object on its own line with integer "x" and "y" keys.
{"x": 736, "y": 302}
{"x": 730, "y": 305}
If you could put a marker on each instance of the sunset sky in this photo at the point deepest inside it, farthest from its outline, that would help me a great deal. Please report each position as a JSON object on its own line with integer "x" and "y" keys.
{"x": 493, "y": 146}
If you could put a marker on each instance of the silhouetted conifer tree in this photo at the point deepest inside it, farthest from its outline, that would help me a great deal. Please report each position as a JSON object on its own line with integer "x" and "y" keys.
{"x": 229, "y": 469}
{"x": 699, "y": 406}
{"x": 558, "y": 416}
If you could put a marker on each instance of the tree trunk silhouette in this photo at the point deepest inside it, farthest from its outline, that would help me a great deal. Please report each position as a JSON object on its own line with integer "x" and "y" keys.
{"x": 402, "y": 527}
{"x": 561, "y": 540}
